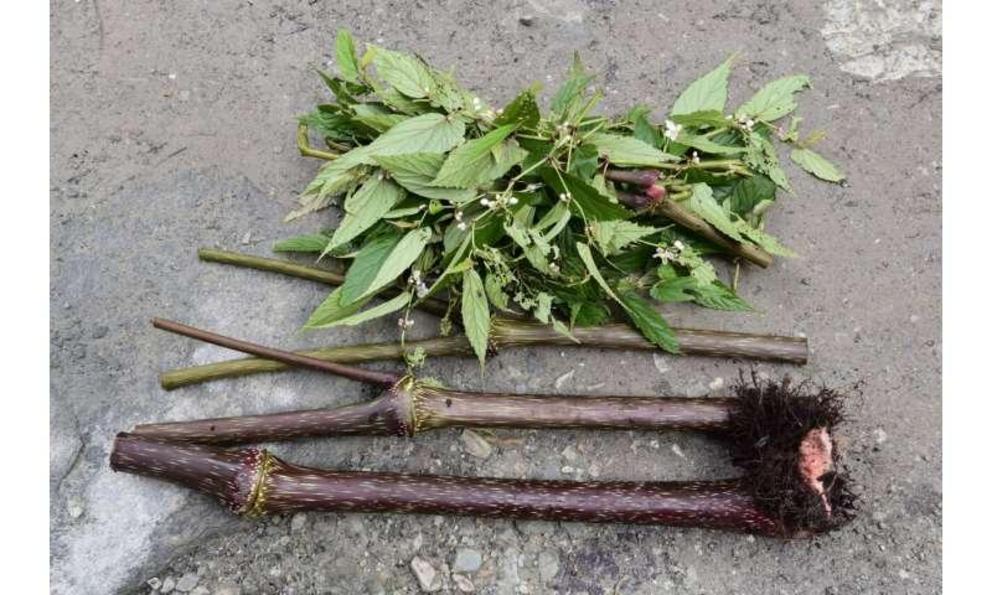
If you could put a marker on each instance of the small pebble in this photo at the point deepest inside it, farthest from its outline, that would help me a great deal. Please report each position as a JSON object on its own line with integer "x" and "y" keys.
{"x": 467, "y": 560}
{"x": 660, "y": 363}
{"x": 298, "y": 523}
{"x": 678, "y": 451}
{"x": 201, "y": 590}
{"x": 880, "y": 436}
{"x": 476, "y": 445}
{"x": 187, "y": 582}
{"x": 526, "y": 20}
{"x": 246, "y": 239}
{"x": 426, "y": 575}
{"x": 168, "y": 584}
{"x": 561, "y": 380}
{"x": 155, "y": 583}
{"x": 463, "y": 583}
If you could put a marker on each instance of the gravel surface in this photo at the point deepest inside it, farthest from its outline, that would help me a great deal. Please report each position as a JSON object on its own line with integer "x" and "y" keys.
{"x": 173, "y": 128}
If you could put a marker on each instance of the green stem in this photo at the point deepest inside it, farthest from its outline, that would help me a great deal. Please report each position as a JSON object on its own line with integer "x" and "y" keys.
{"x": 303, "y": 144}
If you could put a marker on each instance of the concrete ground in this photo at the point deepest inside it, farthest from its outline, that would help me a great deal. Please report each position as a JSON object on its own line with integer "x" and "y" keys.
{"x": 172, "y": 127}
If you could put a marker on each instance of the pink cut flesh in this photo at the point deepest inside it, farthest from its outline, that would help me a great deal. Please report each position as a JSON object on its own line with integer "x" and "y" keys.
{"x": 816, "y": 460}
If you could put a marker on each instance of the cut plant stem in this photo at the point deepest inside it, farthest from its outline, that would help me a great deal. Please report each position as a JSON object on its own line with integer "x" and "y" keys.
{"x": 507, "y": 330}
{"x": 652, "y": 197}
{"x": 255, "y": 483}
{"x": 287, "y": 357}
{"x": 303, "y": 144}
{"x": 513, "y": 333}
{"x": 672, "y": 210}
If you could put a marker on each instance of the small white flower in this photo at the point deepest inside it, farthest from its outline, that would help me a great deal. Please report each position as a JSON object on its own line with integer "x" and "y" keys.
{"x": 462, "y": 226}
{"x": 513, "y": 200}
{"x": 672, "y": 130}
{"x": 553, "y": 267}
{"x": 664, "y": 254}
{"x": 476, "y": 102}
{"x": 421, "y": 290}
{"x": 405, "y": 323}
{"x": 695, "y": 157}
{"x": 485, "y": 202}
{"x": 564, "y": 196}
{"x": 458, "y": 215}
{"x": 679, "y": 245}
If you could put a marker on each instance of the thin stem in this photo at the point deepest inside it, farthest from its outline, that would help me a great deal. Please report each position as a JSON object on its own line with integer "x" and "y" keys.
{"x": 286, "y": 357}
{"x": 260, "y": 263}
{"x": 253, "y": 482}
{"x": 672, "y": 210}
{"x": 303, "y": 144}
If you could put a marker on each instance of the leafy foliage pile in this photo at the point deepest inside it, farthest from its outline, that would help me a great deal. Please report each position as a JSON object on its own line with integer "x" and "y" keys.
{"x": 512, "y": 209}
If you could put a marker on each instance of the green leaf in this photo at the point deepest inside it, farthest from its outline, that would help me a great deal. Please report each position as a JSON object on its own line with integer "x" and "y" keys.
{"x": 364, "y": 208}
{"x": 333, "y": 309}
{"x": 815, "y": 164}
{"x": 768, "y": 242}
{"x": 627, "y": 150}
{"x": 494, "y": 291}
{"x": 649, "y": 321}
{"x": 404, "y": 72}
{"x": 705, "y": 118}
{"x": 747, "y": 194}
{"x": 475, "y": 313}
{"x": 305, "y": 243}
{"x": 675, "y": 289}
{"x": 387, "y": 307}
{"x": 344, "y": 47}
{"x": 708, "y": 93}
{"x": 505, "y": 155}
{"x": 402, "y": 255}
{"x": 522, "y": 112}
{"x": 702, "y": 203}
{"x": 574, "y": 87}
{"x": 366, "y": 266}
{"x": 707, "y": 146}
{"x": 644, "y": 130}
{"x": 587, "y": 259}
{"x": 585, "y": 200}
{"x": 774, "y": 100}
{"x": 426, "y": 133}
{"x": 470, "y": 164}
{"x": 613, "y": 236}
{"x": 415, "y": 171}
{"x": 718, "y": 296}
{"x": 376, "y": 117}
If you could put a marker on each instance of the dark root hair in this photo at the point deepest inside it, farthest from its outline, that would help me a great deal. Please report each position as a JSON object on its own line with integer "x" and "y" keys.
{"x": 767, "y": 427}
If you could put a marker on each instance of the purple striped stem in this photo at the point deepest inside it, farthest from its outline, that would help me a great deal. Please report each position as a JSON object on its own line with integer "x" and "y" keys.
{"x": 254, "y": 483}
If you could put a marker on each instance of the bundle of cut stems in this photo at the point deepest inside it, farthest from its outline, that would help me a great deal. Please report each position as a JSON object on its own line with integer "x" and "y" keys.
{"x": 506, "y": 331}
{"x": 778, "y": 433}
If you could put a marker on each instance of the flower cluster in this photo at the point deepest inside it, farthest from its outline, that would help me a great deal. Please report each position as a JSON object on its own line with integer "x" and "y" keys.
{"x": 667, "y": 253}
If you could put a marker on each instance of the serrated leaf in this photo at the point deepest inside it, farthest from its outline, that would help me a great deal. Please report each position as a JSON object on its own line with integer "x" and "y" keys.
{"x": 397, "y": 260}
{"x": 748, "y": 193}
{"x": 649, "y": 321}
{"x": 305, "y": 243}
{"x": 470, "y": 165}
{"x": 495, "y": 293}
{"x": 585, "y": 200}
{"x": 405, "y": 73}
{"x": 767, "y": 241}
{"x": 587, "y": 259}
{"x": 627, "y": 150}
{"x": 702, "y": 203}
{"x": 707, "y": 146}
{"x": 376, "y": 117}
{"x": 543, "y": 310}
{"x": 387, "y": 307}
{"x": 815, "y": 164}
{"x": 344, "y": 47}
{"x": 366, "y": 266}
{"x": 415, "y": 171}
{"x": 708, "y": 93}
{"x": 718, "y": 296}
{"x": 475, "y": 313}
{"x": 673, "y": 290}
{"x": 364, "y": 208}
{"x": 613, "y": 236}
{"x": 774, "y": 100}
{"x": 522, "y": 112}
{"x": 332, "y": 309}
{"x": 644, "y": 130}
{"x": 704, "y": 118}
{"x": 426, "y": 133}
{"x": 506, "y": 155}
{"x": 572, "y": 89}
